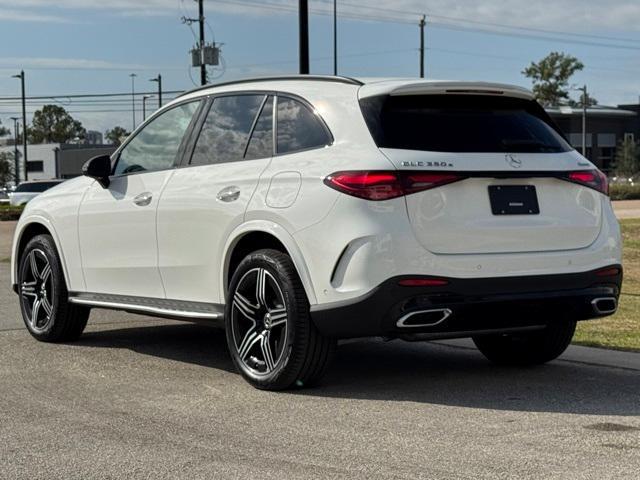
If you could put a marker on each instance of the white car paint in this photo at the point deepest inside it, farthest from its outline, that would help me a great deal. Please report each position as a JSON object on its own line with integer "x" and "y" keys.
{"x": 178, "y": 246}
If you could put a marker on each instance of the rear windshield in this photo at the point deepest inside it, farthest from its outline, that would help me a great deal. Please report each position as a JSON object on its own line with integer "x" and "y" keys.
{"x": 36, "y": 187}
{"x": 461, "y": 123}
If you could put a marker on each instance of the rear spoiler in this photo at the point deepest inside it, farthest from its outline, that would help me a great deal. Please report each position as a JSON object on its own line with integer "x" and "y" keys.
{"x": 445, "y": 88}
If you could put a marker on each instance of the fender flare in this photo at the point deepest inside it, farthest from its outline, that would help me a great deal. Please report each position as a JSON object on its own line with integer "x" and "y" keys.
{"x": 17, "y": 239}
{"x": 281, "y": 234}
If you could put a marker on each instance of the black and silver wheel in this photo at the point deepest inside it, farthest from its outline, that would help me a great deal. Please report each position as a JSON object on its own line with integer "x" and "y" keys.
{"x": 270, "y": 335}
{"x": 43, "y": 294}
{"x": 528, "y": 348}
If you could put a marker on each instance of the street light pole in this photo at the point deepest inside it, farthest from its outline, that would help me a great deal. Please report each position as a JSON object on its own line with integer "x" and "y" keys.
{"x": 133, "y": 99}
{"x": 16, "y": 164}
{"x": 144, "y": 106}
{"x": 24, "y": 124}
{"x": 203, "y": 67}
{"x": 158, "y": 79}
{"x": 422, "y": 25}
{"x": 335, "y": 37}
{"x": 303, "y": 19}
{"x": 584, "y": 120}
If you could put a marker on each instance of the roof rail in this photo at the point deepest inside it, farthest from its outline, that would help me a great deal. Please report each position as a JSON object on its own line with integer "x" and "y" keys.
{"x": 317, "y": 78}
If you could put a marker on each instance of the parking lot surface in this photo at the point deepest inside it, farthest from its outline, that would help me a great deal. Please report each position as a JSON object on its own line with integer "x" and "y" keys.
{"x": 145, "y": 398}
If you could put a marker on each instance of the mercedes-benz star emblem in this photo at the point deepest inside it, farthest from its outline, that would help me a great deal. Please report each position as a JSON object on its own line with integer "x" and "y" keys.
{"x": 512, "y": 160}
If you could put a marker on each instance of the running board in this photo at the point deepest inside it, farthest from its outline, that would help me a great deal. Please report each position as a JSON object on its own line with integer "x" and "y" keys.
{"x": 161, "y": 307}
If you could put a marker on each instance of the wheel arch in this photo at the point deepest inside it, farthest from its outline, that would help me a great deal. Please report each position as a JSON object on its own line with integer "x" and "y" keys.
{"x": 256, "y": 235}
{"x": 32, "y": 227}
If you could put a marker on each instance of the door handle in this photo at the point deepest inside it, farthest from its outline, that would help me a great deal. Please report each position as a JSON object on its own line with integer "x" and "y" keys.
{"x": 228, "y": 194}
{"x": 143, "y": 199}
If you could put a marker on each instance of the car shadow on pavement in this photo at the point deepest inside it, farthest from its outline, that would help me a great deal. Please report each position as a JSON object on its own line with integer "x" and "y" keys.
{"x": 411, "y": 372}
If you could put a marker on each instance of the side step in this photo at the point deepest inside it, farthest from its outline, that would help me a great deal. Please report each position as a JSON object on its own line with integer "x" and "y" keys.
{"x": 160, "y": 307}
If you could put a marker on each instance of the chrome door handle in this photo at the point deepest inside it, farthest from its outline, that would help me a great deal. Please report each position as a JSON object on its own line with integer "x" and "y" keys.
{"x": 228, "y": 194}
{"x": 143, "y": 199}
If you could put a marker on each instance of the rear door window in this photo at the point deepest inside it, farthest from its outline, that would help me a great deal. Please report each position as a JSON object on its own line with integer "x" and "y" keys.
{"x": 461, "y": 123}
{"x": 226, "y": 130}
{"x": 298, "y": 127}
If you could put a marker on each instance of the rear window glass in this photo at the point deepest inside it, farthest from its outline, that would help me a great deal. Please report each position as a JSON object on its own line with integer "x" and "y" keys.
{"x": 36, "y": 187}
{"x": 461, "y": 123}
{"x": 298, "y": 127}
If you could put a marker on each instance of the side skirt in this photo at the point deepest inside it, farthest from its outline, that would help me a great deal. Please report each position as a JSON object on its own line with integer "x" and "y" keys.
{"x": 158, "y": 307}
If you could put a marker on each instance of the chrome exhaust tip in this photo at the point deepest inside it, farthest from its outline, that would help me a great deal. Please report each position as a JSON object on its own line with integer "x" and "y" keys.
{"x": 424, "y": 318}
{"x": 604, "y": 305}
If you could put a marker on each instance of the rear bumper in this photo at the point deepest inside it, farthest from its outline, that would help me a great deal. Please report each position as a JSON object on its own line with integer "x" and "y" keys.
{"x": 465, "y": 307}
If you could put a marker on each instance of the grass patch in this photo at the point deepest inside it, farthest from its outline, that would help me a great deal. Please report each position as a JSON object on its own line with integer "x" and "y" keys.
{"x": 7, "y": 212}
{"x": 622, "y": 330}
{"x": 5, "y": 260}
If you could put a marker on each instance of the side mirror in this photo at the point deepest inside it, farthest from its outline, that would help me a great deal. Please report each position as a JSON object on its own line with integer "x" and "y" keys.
{"x": 98, "y": 168}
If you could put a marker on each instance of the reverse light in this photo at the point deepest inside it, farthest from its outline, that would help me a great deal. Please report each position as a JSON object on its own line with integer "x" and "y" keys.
{"x": 385, "y": 185}
{"x": 423, "y": 282}
{"x": 589, "y": 178}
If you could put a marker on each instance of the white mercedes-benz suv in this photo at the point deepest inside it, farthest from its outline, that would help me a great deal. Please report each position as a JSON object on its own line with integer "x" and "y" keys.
{"x": 296, "y": 211}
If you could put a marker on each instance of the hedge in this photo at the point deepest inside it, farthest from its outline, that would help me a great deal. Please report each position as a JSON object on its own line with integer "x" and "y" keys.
{"x": 8, "y": 212}
{"x": 624, "y": 192}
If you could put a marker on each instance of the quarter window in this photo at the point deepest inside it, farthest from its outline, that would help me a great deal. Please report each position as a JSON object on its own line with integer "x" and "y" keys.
{"x": 156, "y": 146}
{"x": 226, "y": 130}
{"x": 298, "y": 127}
{"x": 261, "y": 143}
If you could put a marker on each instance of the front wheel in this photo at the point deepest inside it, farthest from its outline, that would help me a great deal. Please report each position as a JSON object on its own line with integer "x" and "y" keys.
{"x": 46, "y": 312}
{"x": 530, "y": 348}
{"x": 271, "y": 337}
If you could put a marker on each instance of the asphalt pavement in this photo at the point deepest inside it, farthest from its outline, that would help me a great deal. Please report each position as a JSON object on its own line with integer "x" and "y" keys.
{"x": 151, "y": 399}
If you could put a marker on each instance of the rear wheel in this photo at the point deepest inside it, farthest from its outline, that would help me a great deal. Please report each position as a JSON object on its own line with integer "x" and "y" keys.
{"x": 530, "y": 348}
{"x": 270, "y": 335}
{"x": 43, "y": 294}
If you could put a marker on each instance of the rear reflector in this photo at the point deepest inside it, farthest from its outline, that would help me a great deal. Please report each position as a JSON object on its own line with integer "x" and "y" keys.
{"x": 423, "y": 282}
{"x": 589, "y": 178}
{"x": 608, "y": 272}
{"x": 384, "y": 185}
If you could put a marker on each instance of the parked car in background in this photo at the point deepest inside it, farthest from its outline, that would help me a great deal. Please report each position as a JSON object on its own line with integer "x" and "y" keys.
{"x": 29, "y": 190}
{"x": 297, "y": 211}
{"x": 4, "y": 196}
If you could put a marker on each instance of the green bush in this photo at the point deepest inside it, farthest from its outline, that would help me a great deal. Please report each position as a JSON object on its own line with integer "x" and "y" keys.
{"x": 7, "y": 212}
{"x": 624, "y": 192}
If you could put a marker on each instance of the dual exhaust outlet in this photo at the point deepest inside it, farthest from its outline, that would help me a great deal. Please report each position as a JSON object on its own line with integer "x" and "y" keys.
{"x": 435, "y": 316}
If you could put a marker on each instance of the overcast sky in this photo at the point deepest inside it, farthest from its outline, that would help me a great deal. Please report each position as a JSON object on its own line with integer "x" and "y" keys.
{"x": 85, "y": 46}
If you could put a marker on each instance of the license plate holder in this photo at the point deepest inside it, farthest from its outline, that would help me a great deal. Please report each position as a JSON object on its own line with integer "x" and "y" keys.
{"x": 514, "y": 200}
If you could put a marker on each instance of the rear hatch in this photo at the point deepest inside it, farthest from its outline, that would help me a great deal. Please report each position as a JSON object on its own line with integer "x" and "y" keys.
{"x": 513, "y": 166}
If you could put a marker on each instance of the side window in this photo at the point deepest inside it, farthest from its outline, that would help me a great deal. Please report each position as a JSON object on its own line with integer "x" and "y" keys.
{"x": 226, "y": 130}
{"x": 261, "y": 142}
{"x": 155, "y": 147}
{"x": 298, "y": 127}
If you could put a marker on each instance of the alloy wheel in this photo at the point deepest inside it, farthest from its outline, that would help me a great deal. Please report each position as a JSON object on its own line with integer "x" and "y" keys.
{"x": 259, "y": 321}
{"x": 37, "y": 290}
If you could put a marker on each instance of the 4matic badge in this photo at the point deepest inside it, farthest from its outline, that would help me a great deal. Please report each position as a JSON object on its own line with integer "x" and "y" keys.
{"x": 427, "y": 164}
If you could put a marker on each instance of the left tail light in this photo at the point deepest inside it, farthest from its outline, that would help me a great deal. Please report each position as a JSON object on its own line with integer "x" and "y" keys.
{"x": 385, "y": 185}
{"x": 589, "y": 178}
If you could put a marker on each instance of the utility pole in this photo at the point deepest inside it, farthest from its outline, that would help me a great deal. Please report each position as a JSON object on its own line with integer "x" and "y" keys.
{"x": 422, "y": 25}
{"x": 133, "y": 99}
{"x": 24, "y": 125}
{"x": 144, "y": 106}
{"x": 16, "y": 164}
{"x": 159, "y": 80}
{"x": 335, "y": 37}
{"x": 584, "y": 120}
{"x": 303, "y": 17}
{"x": 203, "y": 67}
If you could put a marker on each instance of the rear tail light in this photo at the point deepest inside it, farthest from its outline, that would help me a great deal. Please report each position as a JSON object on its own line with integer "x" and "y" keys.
{"x": 589, "y": 178}
{"x": 384, "y": 185}
{"x": 608, "y": 272}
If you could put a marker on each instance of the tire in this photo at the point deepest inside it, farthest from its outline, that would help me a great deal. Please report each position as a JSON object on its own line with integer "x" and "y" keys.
{"x": 43, "y": 291}
{"x": 271, "y": 338}
{"x": 531, "y": 348}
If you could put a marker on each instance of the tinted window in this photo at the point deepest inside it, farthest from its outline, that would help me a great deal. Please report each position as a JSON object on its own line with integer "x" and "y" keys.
{"x": 155, "y": 147}
{"x": 298, "y": 127}
{"x": 461, "y": 123}
{"x": 261, "y": 143}
{"x": 36, "y": 187}
{"x": 226, "y": 130}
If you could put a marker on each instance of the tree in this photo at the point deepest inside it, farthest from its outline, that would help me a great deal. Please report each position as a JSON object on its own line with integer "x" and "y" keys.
{"x": 627, "y": 161}
{"x": 3, "y": 131}
{"x": 52, "y": 124}
{"x": 551, "y": 76}
{"x": 116, "y": 135}
{"x": 6, "y": 168}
